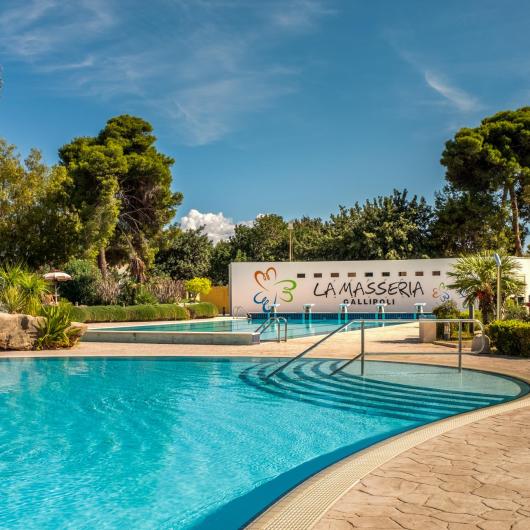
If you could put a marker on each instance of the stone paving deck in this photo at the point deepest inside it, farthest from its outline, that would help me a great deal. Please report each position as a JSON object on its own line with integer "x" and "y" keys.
{"x": 474, "y": 477}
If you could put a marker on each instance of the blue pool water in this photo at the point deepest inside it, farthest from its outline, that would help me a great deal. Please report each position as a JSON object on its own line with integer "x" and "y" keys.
{"x": 198, "y": 443}
{"x": 295, "y": 327}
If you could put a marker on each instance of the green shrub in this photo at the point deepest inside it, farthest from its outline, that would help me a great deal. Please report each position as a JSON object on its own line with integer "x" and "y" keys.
{"x": 449, "y": 310}
{"x": 197, "y": 286}
{"x": 513, "y": 311}
{"x": 83, "y": 287}
{"x": 144, "y": 297}
{"x": 133, "y": 313}
{"x": 203, "y": 310}
{"x": 510, "y": 337}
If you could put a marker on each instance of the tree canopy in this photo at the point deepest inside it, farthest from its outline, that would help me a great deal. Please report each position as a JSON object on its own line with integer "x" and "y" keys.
{"x": 493, "y": 158}
{"x": 184, "y": 254}
{"x": 37, "y": 225}
{"x": 121, "y": 186}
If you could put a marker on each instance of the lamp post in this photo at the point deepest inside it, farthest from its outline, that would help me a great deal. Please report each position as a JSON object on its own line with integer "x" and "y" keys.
{"x": 498, "y": 263}
{"x": 290, "y": 227}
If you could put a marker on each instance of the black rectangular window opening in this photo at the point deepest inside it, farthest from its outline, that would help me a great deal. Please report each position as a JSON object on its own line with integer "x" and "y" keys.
{"x": 402, "y": 273}
{"x": 368, "y": 274}
{"x": 334, "y": 274}
{"x": 352, "y": 274}
{"x": 419, "y": 273}
{"x": 385, "y": 274}
{"x": 300, "y": 275}
{"x": 436, "y": 273}
{"x": 317, "y": 275}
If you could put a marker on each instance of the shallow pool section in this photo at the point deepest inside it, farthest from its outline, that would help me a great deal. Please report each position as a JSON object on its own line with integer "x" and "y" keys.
{"x": 198, "y": 443}
{"x": 295, "y": 327}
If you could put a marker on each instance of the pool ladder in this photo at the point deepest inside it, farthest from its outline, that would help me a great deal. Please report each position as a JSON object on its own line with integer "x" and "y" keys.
{"x": 362, "y": 353}
{"x": 274, "y": 320}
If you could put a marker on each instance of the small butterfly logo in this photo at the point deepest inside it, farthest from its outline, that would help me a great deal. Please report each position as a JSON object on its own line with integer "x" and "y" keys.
{"x": 272, "y": 289}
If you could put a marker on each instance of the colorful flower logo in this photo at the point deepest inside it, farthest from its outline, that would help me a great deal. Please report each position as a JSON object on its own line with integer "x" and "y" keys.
{"x": 272, "y": 289}
{"x": 441, "y": 293}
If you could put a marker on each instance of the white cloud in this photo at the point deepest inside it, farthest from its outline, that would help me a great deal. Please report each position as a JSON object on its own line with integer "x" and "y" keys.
{"x": 456, "y": 96}
{"x": 40, "y": 28}
{"x": 216, "y": 225}
{"x": 300, "y": 14}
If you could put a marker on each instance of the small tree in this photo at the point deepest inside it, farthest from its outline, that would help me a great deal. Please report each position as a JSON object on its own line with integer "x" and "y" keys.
{"x": 475, "y": 277}
{"x": 197, "y": 286}
{"x": 83, "y": 287}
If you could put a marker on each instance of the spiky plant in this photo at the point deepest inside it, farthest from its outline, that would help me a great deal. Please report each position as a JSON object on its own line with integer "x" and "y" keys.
{"x": 21, "y": 291}
{"x": 475, "y": 277}
{"x": 54, "y": 332}
{"x": 34, "y": 288}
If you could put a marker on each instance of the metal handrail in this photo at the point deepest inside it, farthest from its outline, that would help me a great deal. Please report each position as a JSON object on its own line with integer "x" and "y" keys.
{"x": 262, "y": 325}
{"x": 268, "y": 323}
{"x": 312, "y": 347}
{"x": 362, "y": 354}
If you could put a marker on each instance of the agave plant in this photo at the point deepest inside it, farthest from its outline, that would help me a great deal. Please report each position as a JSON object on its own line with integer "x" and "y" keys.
{"x": 54, "y": 332}
{"x": 475, "y": 277}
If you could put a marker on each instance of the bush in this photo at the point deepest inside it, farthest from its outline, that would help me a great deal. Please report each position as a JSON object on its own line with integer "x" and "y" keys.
{"x": 198, "y": 286}
{"x": 134, "y": 313}
{"x": 510, "y": 337}
{"x": 513, "y": 311}
{"x": 165, "y": 289}
{"x": 143, "y": 296}
{"x": 447, "y": 309}
{"x": 108, "y": 290}
{"x": 203, "y": 310}
{"x": 83, "y": 287}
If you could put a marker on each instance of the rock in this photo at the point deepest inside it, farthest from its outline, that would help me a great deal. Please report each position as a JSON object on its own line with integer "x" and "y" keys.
{"x": 77, "y": 330}
{"x": 476, "y": 345}
{"x": 18, "y": 332}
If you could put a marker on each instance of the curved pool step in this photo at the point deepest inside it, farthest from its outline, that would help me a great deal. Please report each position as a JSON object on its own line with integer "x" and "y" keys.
{"x": 309, "y": 381}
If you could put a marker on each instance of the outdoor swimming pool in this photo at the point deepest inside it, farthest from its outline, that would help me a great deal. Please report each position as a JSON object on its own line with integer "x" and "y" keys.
{"x": 296, "y": 327}
{"x": 198, "y": 442}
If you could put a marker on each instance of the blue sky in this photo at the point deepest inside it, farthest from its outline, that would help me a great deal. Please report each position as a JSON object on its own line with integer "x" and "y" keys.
{"x": 286, "y": 106}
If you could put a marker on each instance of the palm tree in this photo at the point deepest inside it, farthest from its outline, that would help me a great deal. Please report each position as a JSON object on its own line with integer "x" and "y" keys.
{"x": 475, "y": 277}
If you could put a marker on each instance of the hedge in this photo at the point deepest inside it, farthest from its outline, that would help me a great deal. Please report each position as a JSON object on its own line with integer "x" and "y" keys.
{"x": 510, "y": 337}
{"x": 132, "y": 313}
{"x": 202, "y": 310}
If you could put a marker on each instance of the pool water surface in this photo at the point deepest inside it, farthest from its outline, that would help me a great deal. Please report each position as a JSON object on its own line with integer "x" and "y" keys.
{"x": 187, "y": 443}
{"x": 295, "y": 327}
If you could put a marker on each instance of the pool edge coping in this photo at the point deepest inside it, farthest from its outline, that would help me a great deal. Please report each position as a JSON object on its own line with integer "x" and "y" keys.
{"x": 304, "y": 506}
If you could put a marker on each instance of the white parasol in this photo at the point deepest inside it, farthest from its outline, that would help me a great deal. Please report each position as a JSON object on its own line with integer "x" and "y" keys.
{"x": 56, "y": 277}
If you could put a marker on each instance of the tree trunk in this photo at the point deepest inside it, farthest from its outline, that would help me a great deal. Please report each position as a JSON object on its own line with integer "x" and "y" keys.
{"x": 515, "y": 221}
{"x": 102, "y": 262}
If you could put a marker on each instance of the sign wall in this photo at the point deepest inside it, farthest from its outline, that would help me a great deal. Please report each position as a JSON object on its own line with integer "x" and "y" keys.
{"x": 363, "y": 284}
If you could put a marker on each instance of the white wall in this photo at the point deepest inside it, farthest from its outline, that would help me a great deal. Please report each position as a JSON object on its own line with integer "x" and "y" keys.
{"x": 254, "y": 286}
